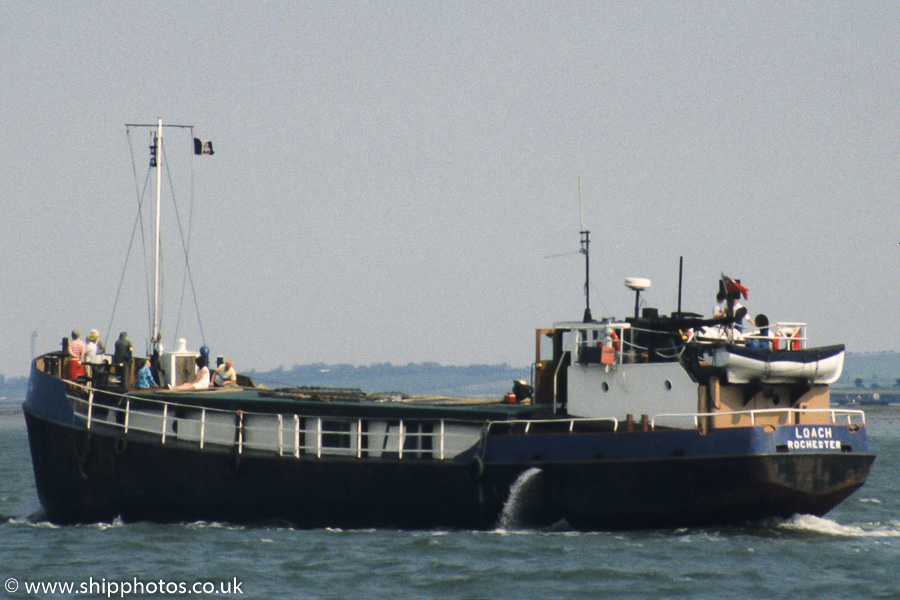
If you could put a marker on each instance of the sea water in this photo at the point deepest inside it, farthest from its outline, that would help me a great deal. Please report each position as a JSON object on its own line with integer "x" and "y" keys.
{"x": 854, "y": 552}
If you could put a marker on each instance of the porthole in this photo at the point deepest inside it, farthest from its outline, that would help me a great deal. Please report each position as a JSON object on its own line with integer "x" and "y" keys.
{"x": 668, "y": 385}
{"x": 604, "y": 386}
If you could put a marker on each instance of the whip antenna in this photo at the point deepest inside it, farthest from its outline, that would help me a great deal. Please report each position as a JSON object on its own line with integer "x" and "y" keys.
{"x": 585, "y": 249}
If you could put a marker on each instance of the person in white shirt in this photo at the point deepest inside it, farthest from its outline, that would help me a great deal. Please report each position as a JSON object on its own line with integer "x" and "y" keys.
{"x": 201, "y": 382}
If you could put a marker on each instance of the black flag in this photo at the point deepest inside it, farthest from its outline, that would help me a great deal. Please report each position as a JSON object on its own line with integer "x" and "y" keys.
{"x": 203, "y": 147}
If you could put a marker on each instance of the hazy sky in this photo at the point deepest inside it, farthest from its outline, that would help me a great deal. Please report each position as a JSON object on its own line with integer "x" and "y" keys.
{"x": 390, "y": 177}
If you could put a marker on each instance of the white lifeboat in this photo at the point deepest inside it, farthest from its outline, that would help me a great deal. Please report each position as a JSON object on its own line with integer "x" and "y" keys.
{"x": 814, "y": 365}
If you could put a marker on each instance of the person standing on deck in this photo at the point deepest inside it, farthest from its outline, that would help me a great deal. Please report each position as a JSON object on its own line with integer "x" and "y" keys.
{"x": 95, "y": 335}
{"x": 92, "y": 350}
{"x": 76, "y": 346}
{"x": 733, "y": 291}
{"x": 124, "y": 350}
{"x": 75, "y": 357}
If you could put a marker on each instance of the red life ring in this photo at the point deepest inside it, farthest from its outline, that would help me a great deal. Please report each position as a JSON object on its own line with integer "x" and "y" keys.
{"x": 617, "y": 345}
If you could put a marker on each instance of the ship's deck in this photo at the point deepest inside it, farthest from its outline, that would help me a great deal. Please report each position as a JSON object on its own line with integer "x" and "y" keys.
{"x": 343, "y": 402}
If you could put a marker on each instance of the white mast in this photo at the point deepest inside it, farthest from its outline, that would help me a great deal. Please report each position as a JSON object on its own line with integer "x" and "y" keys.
{"x": 159, "y": 128}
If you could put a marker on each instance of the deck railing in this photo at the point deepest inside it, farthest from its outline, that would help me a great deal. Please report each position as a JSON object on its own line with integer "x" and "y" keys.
{"x": 620, "y": 338}
{"x": 524, "y": 426}
{"x": 838, "y": 416}
{"x": 284, "y": 434}
{"x": 834, "y": 413}
{"x": 296, "y": 434}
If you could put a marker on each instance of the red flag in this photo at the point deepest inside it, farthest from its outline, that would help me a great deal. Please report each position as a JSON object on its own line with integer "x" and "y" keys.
{"x": 732, "y": 286}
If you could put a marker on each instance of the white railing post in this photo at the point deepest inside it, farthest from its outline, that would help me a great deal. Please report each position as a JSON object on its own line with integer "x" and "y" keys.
{"x": 556, "y": 375}
{"x": 280, "y": 435}
{"x": 443, "y": 432}
{"x": 319, "y": 437}
{"x": 90, "y": 407}
{"x": 240, "y": 416}
{"x": 127, "y": 413}
{"x": 202, "y": 427}
{"x": 296, "y": 436}
{"x": 164, "y": 421}
{"x": 401, "y": 440}
{"x": 359, "y": 438}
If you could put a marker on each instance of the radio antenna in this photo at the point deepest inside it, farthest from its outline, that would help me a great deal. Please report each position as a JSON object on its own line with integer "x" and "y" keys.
{"x": 585, "y": 249}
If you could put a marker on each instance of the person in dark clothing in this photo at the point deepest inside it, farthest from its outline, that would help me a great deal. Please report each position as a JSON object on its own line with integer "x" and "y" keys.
{"x": 124, "y": 350}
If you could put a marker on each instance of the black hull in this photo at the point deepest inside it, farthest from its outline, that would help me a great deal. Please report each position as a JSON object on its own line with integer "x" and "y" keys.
{"x": 697, "y": 492}
{"x": 85, "y": 476}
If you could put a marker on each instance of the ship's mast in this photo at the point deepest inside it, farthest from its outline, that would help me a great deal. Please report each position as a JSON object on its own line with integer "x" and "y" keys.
{"x": 156, "y": 157}
{"x": 157, "y": 147}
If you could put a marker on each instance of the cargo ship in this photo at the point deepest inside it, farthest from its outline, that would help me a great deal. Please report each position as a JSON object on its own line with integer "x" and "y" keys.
{"x": 647, "y": 421}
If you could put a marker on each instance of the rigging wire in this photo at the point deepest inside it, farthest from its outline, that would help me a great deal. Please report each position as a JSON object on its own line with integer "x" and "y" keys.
{"x": 148, "y": 281}
{"x": 185, "y": 245}
{"x": 139, "y": 222}
{"x": 190, "y": 237}
{"x": 140, "y": 195}
{"x": 598, "y": 298}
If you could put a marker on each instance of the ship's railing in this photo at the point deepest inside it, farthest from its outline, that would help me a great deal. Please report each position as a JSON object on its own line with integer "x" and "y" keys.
{"x": 837, "y": 415}
{"x": 616, "y": 343}
{"x": 525, "y": 426}
{"x": 602, "y": 343}
{"x": 612, "y": 343}
{"x": 284, "y": 434}
{"x": 781, "y": 335}
{"x": 300, "y": 435}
